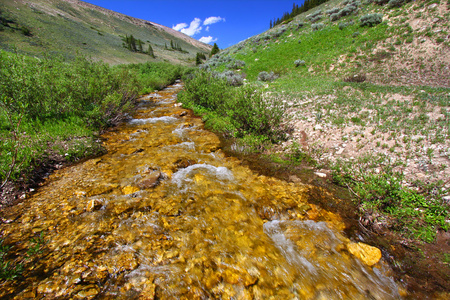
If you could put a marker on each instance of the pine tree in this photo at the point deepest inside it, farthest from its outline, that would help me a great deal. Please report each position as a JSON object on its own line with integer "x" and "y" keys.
{"x": 150, "y": 51}
{"x": 139, "y": 46}
{"x": 198, "y": 60}
{"x": 215, "y": 49}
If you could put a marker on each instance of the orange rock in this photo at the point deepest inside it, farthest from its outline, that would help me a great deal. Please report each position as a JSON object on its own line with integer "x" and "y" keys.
{"x": 367, "y": 254}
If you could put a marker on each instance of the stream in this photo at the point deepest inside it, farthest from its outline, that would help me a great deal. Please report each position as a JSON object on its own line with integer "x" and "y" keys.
{"x": 165, "y": 214}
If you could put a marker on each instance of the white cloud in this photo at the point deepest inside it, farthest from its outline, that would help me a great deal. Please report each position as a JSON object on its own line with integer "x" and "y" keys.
{"x": 207, "y": 28}
{"x": 194, "y": 28}
{"x": 180, "y": 26}
{"x": 212, "y": 20}
{"x": 207, "y": 39}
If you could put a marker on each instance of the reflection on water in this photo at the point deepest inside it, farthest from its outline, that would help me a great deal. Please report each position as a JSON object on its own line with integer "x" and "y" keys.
{"x": 166, "y": 215}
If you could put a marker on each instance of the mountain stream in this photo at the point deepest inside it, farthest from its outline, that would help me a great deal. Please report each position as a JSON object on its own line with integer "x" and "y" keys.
{"x": 166, "y": 215}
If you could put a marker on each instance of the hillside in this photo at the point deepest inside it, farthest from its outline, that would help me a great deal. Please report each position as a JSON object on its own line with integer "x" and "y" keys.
{"x": 356, "y": 93}
{"x": 71, "y": 27}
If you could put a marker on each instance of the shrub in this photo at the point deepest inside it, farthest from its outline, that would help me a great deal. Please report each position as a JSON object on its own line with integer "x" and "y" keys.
{"x": 332, "y": 11}
{"x": 25, "y": 31}
{"x": 335, "y": 17}
{"x": 396, "y": 3}
{"x": 371, "y": 20}
{"x": 360, "y": 77}
{"x": 342, "y": 25}
{"x": 300, "y": 25}
{"x": 243, "y": 107}
{"x": 355, "y": 34}
{"x": 317, "y": 26}
{"x": 313, "y": 15}
{"x": 232, "y": 78}
{"x": 316, "y": 18}
{"x": 265, "y": 76}
{"x": 237, "y": 64}
{"x": 299, "y": 62}
{"x": 380, "y": 2}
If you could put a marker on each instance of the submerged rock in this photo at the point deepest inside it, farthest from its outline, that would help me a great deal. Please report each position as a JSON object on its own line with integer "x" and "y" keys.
{"x": 151, "y": 180}
{"x": 367, "y": 254}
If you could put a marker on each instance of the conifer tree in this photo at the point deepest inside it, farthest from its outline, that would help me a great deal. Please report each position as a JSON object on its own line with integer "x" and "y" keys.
{"x": 150, "y": 51}
{"x": 198, "y": 60}
{"x": 139, "y": 46}
{"x": 215, "y": 49}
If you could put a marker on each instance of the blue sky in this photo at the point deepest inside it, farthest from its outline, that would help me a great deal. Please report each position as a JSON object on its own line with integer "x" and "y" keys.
{"x": 224, "y": 22}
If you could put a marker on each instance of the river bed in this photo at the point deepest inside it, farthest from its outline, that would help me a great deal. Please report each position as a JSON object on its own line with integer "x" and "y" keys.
{"x": 165, "y": 214}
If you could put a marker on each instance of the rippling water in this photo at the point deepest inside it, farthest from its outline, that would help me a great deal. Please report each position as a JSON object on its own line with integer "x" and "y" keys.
{"x": 165, "y": 215}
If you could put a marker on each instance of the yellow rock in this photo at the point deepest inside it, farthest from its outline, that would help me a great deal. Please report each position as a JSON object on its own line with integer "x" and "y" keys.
{"x": 129, "y": 190}
{"x": 367, "y": 254}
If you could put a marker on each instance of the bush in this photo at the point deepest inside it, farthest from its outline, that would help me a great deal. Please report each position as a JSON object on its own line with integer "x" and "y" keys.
{"x": 335, "y": 17}
{"x": 332, "y": 11}
{"x": 317, "y": 26}
{"x": 313, "y": 15}
{"x": 237, "y": 64}
{"x": 299, "y": 62}
{"x": 371, "y": 20}
{"x": 244, "y": 107}
{"x": 396, "y": 3}
{"x": 264, "y": 76}
{"x": 380, "y": 2}
{"x": 316, "y": 18}
{"x": 342, "y": 25}
{"x": 360, "y": 77}
{"x": 54, "y": 100}
{"x": 232, "y": 78}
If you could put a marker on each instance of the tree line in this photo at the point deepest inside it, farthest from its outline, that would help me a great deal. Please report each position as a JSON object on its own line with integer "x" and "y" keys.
{"x": 296, "y": 10}
{"x": 137, "y": 45}
{"x": 174, "y": 46}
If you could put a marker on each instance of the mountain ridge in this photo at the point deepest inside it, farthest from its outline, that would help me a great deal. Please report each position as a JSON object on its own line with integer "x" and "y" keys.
{"x": 72, "y": 27}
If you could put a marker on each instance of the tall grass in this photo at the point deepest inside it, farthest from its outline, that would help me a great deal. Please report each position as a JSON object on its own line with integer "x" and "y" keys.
{"x": 52, "y": 106}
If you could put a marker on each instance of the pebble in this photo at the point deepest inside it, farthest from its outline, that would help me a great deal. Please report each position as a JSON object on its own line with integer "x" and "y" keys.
{"x": 322, "y": 175}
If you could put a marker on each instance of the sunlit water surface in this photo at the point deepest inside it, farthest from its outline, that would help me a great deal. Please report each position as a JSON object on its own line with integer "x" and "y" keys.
{"x": 166, "y": 215}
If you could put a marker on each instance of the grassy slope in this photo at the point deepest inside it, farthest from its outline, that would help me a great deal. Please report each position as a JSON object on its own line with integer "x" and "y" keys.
{"x": 66, "y": 28}
{"x": 385, "y": 138}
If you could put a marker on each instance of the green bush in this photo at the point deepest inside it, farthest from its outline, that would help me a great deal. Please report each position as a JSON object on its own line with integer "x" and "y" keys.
{"x": 396, "y": 3}
{"x": 232, "y": 78}
{"x": 265, "y": 76}
{"x": 242, "y": 110}
{"x": 299, "y": 63}
{"x": 317, "y": 26}
{"x": 371, "y": 20}
{"x": 52, "y": 101}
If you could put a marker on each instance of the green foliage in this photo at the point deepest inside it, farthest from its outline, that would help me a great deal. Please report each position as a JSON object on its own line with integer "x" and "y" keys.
{"x": 296, "y": 10}
{"x": 317, "y": 26}
{"x": 299, "y": 63}
{"x": 371, "y": 20}
{"x": 396, "y": 3}
{"x": 266, "y": 76}
{"x": 414, "y": 214}
{"x": 215, "y": 49}
{"x": 231, "y": 77}
{"x": 60, "y": 103}
{"x": 8, "y": 269}
{"x": 244, "y": 108}
{"x": 199, "y": 58}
